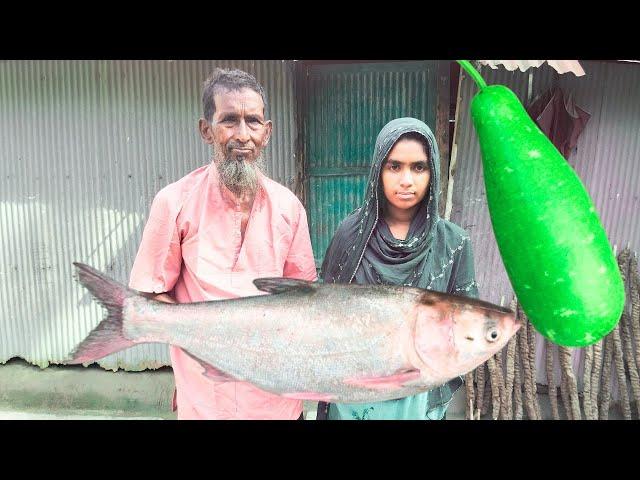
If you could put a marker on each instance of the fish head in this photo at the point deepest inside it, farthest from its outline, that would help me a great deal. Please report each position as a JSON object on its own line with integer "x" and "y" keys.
{"x": 454, "y": 335}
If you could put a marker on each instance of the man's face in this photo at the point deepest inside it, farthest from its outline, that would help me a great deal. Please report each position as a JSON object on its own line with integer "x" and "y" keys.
{"x": 238, "y": 133}
{"x": 238, "y": 127}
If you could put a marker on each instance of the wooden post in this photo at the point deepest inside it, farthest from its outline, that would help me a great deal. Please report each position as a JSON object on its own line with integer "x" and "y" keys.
{"x": 442, "y": 130}
{"x": 300, "y": 70}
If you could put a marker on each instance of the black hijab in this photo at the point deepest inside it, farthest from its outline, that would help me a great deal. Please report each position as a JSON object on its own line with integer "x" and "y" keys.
{"x": 363, "y": 249}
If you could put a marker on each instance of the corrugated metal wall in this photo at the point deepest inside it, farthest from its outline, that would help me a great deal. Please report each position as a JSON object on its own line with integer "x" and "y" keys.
{"x": 84, "y": 147}
{"x": 606, "y": 160}
{"x": 608, "y": 154}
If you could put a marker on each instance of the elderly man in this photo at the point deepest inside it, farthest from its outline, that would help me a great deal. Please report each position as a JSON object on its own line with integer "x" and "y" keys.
{"x": 211, "y": 233}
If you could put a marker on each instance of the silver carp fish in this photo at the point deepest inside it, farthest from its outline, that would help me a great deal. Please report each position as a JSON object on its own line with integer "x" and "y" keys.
{"x": 310, "y": 341}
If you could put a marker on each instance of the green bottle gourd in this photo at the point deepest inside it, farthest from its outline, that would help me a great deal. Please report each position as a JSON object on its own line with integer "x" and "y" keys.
{"x": 553, "y": 245}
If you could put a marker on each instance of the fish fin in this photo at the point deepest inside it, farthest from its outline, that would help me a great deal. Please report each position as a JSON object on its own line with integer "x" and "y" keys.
{"x": 107, "y": 337}
{"x": 312, "y": 396}
{"x": 397, "y": 380}
{"x": 282, "y": 284}
{"x": 211, "y": 372}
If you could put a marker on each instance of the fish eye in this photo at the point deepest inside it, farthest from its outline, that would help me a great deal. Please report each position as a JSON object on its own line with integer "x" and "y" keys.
{"x": 492, "y": 335}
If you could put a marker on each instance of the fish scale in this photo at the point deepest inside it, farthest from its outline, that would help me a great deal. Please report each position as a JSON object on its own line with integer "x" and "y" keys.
{"x": 284, "y": 330}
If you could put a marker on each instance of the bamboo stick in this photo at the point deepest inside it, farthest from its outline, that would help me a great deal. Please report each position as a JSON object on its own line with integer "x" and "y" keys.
{"x": 586, "y": 381}
{"x": 634, "y": 284}
{"x": 495, "y": 389}
{"x": 618, "y": 348}
{"x": 510, "y": 369}
{"x": 595, "y": 378}
{"x": 523, "y": 341}
{"x": 517, "y": 381}
{"x": 531, "y": 332}
{"x": 607, "y": 368}
{"x": 501, "y": 384}
{"x": 468, "y": 383}
{"x": 509, "y": 377}
{"x": 620, "y": 374}
{"x": 551, "y": 383}
{"x": 480, "y": 383}
{"x": 488, "y": 394}
{"x": 570, "y": 379}
{"x": 564, "y": 388}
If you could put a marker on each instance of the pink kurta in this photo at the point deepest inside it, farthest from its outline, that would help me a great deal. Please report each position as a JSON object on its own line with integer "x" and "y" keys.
{"x": 192, "y": 247}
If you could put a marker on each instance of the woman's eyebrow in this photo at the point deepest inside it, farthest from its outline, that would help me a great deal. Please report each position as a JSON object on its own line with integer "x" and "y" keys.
{"x": 411, "y": 162}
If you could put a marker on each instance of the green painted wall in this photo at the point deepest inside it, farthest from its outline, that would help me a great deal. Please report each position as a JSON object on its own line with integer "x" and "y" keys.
{"x": 346, "y": 106}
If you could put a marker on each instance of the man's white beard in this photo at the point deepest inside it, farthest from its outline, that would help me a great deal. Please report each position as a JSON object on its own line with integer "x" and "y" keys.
{"x": 239, "y": 176}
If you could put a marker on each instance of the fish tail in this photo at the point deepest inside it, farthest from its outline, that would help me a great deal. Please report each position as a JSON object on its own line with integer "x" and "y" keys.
{"x": 108, "y": 336}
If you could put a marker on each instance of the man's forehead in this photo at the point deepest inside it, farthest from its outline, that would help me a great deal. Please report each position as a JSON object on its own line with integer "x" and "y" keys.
{"x": 233, "y": 100}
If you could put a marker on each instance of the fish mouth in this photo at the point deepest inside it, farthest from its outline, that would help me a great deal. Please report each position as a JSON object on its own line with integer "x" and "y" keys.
{"x": 510, "y": 325}
{"x": 517, "y": 324}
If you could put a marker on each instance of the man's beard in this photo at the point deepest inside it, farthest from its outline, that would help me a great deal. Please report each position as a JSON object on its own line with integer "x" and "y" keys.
{"x": 237, "y": 174}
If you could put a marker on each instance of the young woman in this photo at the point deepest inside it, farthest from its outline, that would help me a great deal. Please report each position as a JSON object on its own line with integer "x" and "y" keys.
{"x": 397, "y": 238}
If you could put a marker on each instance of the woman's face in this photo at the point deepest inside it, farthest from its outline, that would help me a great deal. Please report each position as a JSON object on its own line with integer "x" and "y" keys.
{"x": 406, "y": 174}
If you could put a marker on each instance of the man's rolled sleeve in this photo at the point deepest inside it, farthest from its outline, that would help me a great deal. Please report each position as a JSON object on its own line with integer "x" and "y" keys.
{"x": 159, "y": 260}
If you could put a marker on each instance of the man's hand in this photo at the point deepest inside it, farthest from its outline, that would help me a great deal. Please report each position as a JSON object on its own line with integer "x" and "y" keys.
{"x": 160, "y": 297}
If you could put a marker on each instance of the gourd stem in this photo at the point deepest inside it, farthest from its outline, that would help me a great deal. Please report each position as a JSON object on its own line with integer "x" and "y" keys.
{"x": 473, "y": 73}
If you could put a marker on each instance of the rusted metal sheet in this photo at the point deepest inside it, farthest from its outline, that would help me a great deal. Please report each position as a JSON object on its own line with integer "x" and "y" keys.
{"x": 561, "y": 66}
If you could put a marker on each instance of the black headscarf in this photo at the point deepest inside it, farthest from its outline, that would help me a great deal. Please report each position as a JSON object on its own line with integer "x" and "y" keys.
{"x": 364, "y": 250}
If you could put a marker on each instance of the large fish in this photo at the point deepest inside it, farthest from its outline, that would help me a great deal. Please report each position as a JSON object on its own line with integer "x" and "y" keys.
{"x": 310, "y": 341}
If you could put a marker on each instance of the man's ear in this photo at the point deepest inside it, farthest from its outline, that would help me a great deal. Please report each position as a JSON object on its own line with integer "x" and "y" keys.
{"x": 206, "y": 133}
{"x": 268, "y": 125}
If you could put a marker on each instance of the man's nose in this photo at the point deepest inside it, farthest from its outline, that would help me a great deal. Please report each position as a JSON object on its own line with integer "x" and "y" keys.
{"x": 242, "y": 132}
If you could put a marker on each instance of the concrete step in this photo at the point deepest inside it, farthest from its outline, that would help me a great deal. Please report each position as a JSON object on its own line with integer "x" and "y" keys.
{"x": 70, "y": 415}
{"x": 70, "y": 392}
{"x": 76, "y": 390}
